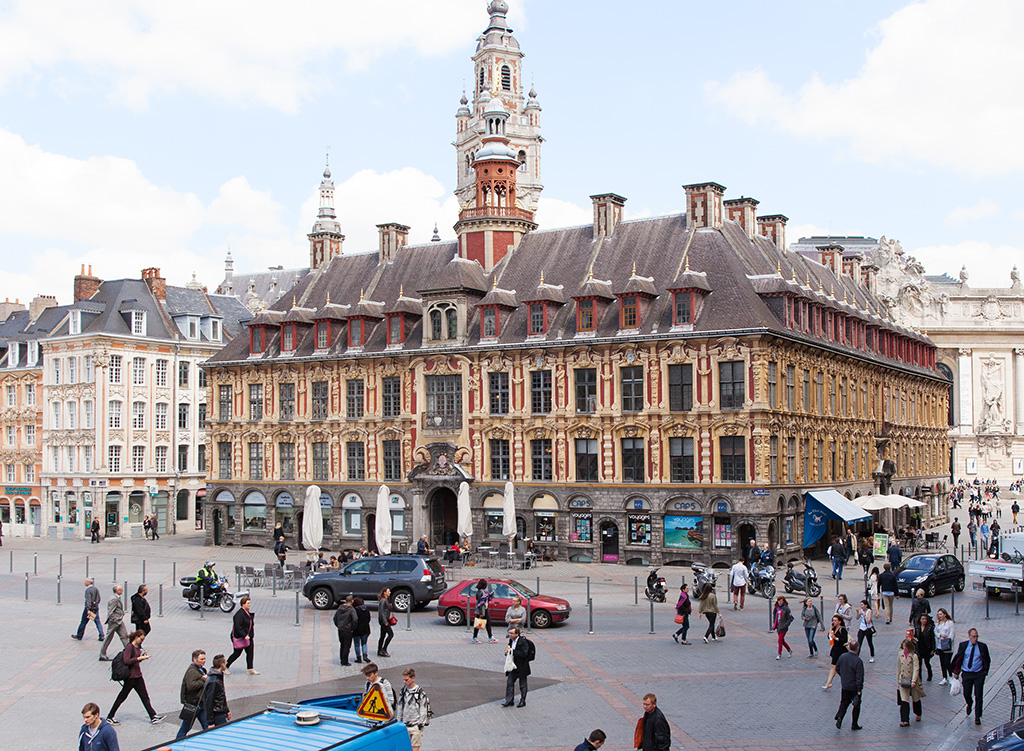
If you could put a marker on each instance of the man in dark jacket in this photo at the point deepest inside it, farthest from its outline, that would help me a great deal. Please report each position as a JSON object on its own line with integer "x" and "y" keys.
{"x": 192, "y": 685}
{"x": 345, "y": 619}
{"x": 96, "y": 734}
{"x": 971, "y": 664}
{"x": 140, "y": 609}
{"x": 215, "y": 699}
{"x": 519, "y": 646}
{"x": 837, "y": 554}
{"x": 851, "y": 672}
{"x": 895, "y": 555}
{"x": 594, "y": 742}
{"x": 654, "y": 734}
{"x": 753, "y": 554}
{"x": 887, "y": 585}
{"x": 94, "y": 531}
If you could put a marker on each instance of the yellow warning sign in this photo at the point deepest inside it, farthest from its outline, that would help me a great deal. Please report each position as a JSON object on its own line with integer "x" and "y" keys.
{"x": 374, "y": 706}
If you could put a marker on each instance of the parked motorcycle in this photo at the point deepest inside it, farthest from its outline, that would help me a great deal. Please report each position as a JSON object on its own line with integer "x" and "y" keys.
{"x": 217, "y": 594}
{"x": 805, "y": 581}
{"x": 656, "y": 588}
{"x": 1017, "y": 557}
{"x": 702, "y": 575}
{"x": 762, "y": 579}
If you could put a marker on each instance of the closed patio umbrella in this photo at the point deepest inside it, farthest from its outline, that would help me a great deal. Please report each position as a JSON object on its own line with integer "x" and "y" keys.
{"x": 508, "y": 513}
{"x": 383, "y": 526}
{"x": 465, "y": 527}
{"x": 312, "y": 519}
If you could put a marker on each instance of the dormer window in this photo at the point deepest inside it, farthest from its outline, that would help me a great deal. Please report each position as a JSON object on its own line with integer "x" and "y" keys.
{"x": 396, "y": 329}
{"x": 489, "y": 323}
{"x": 215, "y": 331}
{"x": 585, "y": 315}
{"x": 288, "y": 338}
{"x": 323, "y": 334}
{"x": 14, "y": 354}
{"x": 629, "y": 312}
{"x": 75, "y": 322}
{"x": 444, "y": 322}
{"x": 33, "y": 353}
{"x": 193, "y": 327}
{"x": 355, "y": 332}
{"x": 682, "y": 309}
{"x": 138, "y": 322}
{"x": 451, "y": 319}
{"x": 257, "y": 339}
{"x": 538, "y": 319}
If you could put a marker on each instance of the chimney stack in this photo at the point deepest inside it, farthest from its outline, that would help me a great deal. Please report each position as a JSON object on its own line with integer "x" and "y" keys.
{"x": 607, "y": 213}
{"x": 86, "y": 285}
{"x": 39, "y": 304}
{"x": 852, "y": 265}
{"x": 869, "y": 274}
{"x": 704, "y": 204}
{"x": 743, "y": 211}
{"x": 773, "y": 227}
{"x": 393, "y": 237}
{"x": 831, "y": 256}
{"x": 156, "y": 283}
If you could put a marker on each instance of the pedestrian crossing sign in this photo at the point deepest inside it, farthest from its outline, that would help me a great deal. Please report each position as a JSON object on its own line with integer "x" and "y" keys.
{"x": 373, "y": 706}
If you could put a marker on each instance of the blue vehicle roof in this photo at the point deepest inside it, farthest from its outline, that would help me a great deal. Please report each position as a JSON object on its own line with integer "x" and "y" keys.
{"x": 276, "y": 730}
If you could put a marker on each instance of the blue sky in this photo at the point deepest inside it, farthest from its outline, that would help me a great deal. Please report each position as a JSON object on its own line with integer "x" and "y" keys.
{"x": 138, "y": 134}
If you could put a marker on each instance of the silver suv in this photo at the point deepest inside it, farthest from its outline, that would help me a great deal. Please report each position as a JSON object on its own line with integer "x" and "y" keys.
{"x": 414, "y": 581}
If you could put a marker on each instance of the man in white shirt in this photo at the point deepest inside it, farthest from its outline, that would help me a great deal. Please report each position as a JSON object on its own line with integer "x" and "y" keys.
{"x": 738, "y": 578}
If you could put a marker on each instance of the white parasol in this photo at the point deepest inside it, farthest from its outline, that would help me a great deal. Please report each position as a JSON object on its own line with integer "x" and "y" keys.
{"x": 382, "y": 529}
{"x": 312, "y": 519}
{"x": 465, "y": 517}
{"x": 508, "y": 512}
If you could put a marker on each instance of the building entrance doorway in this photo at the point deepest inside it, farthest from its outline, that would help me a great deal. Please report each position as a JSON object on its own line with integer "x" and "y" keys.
{"x": 444, "y": 518}
{"x": 218, "y": 531}
{"x": 609, "y": 542}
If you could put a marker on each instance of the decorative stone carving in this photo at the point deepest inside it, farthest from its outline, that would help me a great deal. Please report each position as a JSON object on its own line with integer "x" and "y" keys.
{"x": 993, "y": 418}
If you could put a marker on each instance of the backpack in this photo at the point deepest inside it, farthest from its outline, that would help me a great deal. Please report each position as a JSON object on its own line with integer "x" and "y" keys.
{"x": 531, "y": 650}
{"x": 119, "y": 671}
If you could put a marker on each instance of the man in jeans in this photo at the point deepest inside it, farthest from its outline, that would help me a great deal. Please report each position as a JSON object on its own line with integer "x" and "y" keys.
{"x": 887, "y": 586}
{"x": 91, "y": 611}
{"x": 738, "y": 577}
{"x": 192, "y": 685}
{"x": 837, "y": 552}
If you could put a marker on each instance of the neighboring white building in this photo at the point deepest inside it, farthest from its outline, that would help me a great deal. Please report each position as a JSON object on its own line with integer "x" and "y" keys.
{"x": 124, "y": 423}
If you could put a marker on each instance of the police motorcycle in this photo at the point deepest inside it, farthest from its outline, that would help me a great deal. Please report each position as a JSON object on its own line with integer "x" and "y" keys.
{"x": 217, "y": 594}
{"x": 656, "y": 588}
{"x": 802, "y": 581}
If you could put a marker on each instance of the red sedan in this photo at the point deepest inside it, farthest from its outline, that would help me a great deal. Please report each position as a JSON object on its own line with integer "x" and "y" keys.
{"x": 544, "y": 609}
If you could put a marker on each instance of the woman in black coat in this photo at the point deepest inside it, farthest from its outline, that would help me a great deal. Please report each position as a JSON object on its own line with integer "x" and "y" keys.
{"x": 924, "y": 641}
{"x": 243, "y": 633}
{"x": 920, "y": 606}
{"x": 838, "y": 636}
{"x": 361, "y": 633}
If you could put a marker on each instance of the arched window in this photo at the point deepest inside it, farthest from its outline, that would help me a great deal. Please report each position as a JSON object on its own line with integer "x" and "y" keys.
{"x": 506, "y": 78}
{"x": 435, "y": 324}
{"x": 522, "y": 159}
{"x": 944, "y": 369}
{"x": 452, "y": 319}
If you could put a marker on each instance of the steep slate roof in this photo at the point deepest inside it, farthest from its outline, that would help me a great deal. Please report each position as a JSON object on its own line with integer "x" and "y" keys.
{"x": 732, "y": 270}
{"x": 269, "y": 286}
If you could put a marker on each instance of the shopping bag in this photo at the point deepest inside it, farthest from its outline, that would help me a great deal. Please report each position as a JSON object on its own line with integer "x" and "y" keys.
{"x": 510, "y": 664}
{"x": 720, "y": 629}
{"x": 955, "y": 687}
{"x": 480, "y": 623}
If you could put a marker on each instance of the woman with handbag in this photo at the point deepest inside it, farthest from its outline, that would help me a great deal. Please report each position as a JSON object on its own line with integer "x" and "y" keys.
{"x": 482, "y": 616}
{"x": 838, "y": 636}
{"x": 780, "y": 624}
{"x": 683, "y": 609}
{"x": 908, "y": 682}
{"x": 385, "y": 620}
{"x": 945, "y": 638}
{"x": 812, "y": 622}
{"x": 876, "y": 592}
{"x": 924, "y": 641}
{"x": 866, "y": 628}
{"x": 709, "y": 609}
{"x": 243, "y": 631}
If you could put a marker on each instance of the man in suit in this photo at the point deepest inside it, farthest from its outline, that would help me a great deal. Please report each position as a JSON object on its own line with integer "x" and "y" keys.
{"x": 519, "y": 647}
{"x": 115, "y": 622}
{"x": 971, "y": 664}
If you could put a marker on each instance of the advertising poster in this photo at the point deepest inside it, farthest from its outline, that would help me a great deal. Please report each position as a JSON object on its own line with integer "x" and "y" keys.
{"x": 684, "y": 532}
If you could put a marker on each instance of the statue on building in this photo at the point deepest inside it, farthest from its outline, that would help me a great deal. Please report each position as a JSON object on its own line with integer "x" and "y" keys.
{"x": 992, "y": 396}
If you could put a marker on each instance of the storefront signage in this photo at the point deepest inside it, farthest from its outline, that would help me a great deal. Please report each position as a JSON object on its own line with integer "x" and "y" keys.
{"x": 684, "y": 532}
{"x": 284, "y": 500}
{"x": 638, "y": 503}
{"x": 326, "y": 501}
{"x": 684, "y": 506}
{"x": 579, "y": 503}
{"x": 17, "y": 491}
{"x": 760, "y": 491}
{"x": 721, "y": 507}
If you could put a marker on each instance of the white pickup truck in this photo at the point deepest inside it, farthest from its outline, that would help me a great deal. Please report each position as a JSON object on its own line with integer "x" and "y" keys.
{"x": 997, "y": 577}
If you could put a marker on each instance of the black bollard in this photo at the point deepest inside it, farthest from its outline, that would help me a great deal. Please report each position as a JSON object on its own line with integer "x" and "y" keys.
{"x": 987, "y": 598}
{"x": 26, "y": 586}
{"x": 469, "y": 617}
{"x": 590, "y": 606}
{"x": 769, "y": 615}
{"x": 296, "y": 608}
{"x": 60, "y": 570}
{"x": 588, "y": 589}
{"x": 58, "y": 590}
{"x": 538, "y": 585}
{"x": 35, "y": 564}
{"x": 636, "y": 590}
{"x": 87, "y": 566}
{"x": 143, "y": 570}
{"x": 174, "y": 573}
{"x": 408, "y": 618}
{"x": 160, "y": 612}
{"x": 652, "y": 615}
{"x": 115, "y": 571}
{"x": 528, "y": 615}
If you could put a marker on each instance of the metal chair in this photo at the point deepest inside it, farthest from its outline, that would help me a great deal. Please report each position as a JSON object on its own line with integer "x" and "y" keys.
{"x": 1016, "y": 706}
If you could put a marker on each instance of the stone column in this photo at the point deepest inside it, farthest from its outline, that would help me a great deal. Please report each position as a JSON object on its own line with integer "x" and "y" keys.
{"x": 1018, "y": 389}
{"x": 966, "y": 378}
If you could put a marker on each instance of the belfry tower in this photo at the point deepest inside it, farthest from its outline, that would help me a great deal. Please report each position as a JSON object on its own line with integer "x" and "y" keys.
{"x": 325, "y": 239}
{"x": 493, "y": 220}
{"x": 498, "y": 63}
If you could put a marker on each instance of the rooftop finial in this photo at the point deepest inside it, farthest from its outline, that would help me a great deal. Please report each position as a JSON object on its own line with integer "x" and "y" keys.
{"x": 542, "y": 276}
{"x": 778, "y": 267}
{"x": 687, "y": 264}
{"x": 401, "y": 290}
{"x": 361, "y": 294}
{"x": 494, "y": 284}
{"x": 327, "y": 164}
{"x": 328, "y": 297}
{"x": 436, "y": 238}
{"x": 590, "y": 275}
{"x": 293, "y": 301}
{"x": 634, "y": 267}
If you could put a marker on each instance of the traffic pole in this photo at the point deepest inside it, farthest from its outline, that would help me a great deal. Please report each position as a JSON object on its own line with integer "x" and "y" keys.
{"x": 538, "y": 585}
{"x": 86, "y": 566}
{"x": 468, "y": 625}
{"x": 528, "y": 615}
{"x": 124, "y": 595}
{"x": 60, "y": 570}
{"x": 273, "y": 578}
{"x": 588, "y": 589}
{"x": 143, "y": 570}
{"x": 115, "y": 571}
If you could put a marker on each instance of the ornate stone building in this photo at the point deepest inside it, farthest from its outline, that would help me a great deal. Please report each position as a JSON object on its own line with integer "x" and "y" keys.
{"x": 978, "y": 333}
{"x": 657, "y": 390}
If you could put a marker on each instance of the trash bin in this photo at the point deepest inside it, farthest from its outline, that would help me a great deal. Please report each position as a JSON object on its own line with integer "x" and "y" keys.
{"x": 403, "y": 547}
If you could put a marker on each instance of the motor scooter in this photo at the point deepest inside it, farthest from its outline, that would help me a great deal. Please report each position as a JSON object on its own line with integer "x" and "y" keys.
{"x": 762, "y": 579}
{"x": 802, "y": 581}
{"x": 656, "y": 588}
{"x": 702, "y": 575}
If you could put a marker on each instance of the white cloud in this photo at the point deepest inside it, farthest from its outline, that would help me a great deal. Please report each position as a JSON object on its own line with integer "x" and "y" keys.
{"x": 940, "y": 87}
{"x": 260, "y": 52}
{"x": 988, "y": 265}
{"x": 553, "y": 213}
{"x": 967, "y": 214}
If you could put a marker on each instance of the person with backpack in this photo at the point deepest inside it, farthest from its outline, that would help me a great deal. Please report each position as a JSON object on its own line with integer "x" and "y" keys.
{"x": 413, "y": 708}
{"x": 127, "y": 667}
{"x": 522, "y": 651}
{"x": 373, "y": 677}
{"x": 683, "y": 609}
{"x": 780, "y": 624}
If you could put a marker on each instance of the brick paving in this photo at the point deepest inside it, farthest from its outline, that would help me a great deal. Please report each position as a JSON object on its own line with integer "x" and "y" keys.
{"x": 730, "y": 695}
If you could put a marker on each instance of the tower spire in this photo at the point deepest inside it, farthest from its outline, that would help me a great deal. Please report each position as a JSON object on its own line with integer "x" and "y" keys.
{"x": 325, "y": 238}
